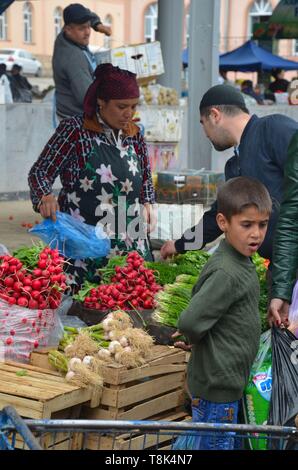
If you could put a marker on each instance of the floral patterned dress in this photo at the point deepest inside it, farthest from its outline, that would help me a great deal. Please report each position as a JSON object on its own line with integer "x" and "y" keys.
{"x": 105, "y": 182}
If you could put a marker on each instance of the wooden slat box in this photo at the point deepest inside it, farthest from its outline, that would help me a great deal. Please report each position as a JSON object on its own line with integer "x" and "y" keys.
{"x": 40, "y": 394}
{"x": 142, "y": 392}
{"x": 134, "y": 441}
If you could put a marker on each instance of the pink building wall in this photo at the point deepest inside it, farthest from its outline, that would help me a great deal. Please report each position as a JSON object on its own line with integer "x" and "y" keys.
{"x": 127, "y": 24}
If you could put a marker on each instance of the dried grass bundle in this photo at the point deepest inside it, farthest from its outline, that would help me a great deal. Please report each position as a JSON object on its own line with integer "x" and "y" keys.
{"x": 129, "y": 359}
{"x": 84, "y": 377}
{"x": 139, "y": 341}
{"x": 119, "y": 320}
{"x": 82, "y": 346}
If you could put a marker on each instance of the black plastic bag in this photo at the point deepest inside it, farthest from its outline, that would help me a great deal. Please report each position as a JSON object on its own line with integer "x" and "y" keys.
{"x": 284, "y": 398}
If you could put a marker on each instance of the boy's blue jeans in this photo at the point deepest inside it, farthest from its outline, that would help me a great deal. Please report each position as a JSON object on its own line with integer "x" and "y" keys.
{"x": 205, "y": 411}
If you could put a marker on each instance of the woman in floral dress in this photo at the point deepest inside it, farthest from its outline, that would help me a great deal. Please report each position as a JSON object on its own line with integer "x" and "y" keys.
{"x": 103, "y": 164}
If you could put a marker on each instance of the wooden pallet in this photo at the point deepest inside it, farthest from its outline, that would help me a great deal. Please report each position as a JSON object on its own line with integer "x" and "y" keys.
{"x": 142, "y": 392}
{"x": 41, "y": 394}
{"x": 135, "y": 440}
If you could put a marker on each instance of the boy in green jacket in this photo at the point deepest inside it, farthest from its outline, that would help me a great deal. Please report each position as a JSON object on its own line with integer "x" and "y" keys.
{"x": 222, "y": 321}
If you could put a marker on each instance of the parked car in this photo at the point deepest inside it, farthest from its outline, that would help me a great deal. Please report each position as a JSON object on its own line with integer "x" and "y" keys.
{"x": 21, "y": 57}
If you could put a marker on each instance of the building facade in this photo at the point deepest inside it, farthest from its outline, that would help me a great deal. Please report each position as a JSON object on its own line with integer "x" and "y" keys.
{"x": 33, "y": 25}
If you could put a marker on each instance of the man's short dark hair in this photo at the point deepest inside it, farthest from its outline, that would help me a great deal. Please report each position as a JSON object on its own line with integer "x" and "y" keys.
{"x": 228, "y": 109}
{"x": 240, "y": 193}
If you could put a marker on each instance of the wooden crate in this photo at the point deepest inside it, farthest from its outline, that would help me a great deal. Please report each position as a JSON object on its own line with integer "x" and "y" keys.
{"x": 143, "y": 392}
{"x": 41, "y": 394}
{"x": 137, "y": 441}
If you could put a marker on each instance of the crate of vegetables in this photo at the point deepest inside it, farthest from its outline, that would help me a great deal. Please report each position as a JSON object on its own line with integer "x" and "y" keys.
{"x": 31, "y": 286}
{"x": 145, "y": 391}
{"x": 126, "y": 284}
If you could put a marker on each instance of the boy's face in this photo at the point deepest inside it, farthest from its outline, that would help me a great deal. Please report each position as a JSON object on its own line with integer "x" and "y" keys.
{"x": 245, "y": 231}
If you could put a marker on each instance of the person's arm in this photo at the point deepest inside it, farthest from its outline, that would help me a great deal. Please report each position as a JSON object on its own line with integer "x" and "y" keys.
{"x": 55, "y": 155}
{"x": 204, "y": 232}
{"x": 207, "y": 230}
{"x": 285, "y": 250}
{"x": 207, "y": 306}
{"x": 97, "y": 25}
{"x": 147, "y": 193}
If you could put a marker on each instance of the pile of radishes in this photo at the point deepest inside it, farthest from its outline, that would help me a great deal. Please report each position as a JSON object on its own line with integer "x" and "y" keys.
{"x": 133, "y": 287}
{"x": 38, "y": 288}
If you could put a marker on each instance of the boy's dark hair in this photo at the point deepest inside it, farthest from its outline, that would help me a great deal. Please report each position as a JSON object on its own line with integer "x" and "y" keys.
{"x": 228, "y": 109}
{"x": 240, "y": 193}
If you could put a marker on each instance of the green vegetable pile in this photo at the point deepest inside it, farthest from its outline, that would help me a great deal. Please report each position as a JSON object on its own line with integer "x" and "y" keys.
{"x": 29, "y": 256}
{"x": 175, "y": 297}
{"x": 96, "y": 332}
{"x": 263, "y": 304}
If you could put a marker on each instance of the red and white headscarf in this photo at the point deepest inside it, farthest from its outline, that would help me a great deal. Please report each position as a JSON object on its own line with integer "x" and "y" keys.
{"x": 111, "y": 83}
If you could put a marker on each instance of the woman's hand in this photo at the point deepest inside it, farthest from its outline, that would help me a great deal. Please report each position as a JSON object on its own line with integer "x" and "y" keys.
{"x": 48, "y": 207}
{"x": 278, "y": 312}
{"x": 150, "y": 217}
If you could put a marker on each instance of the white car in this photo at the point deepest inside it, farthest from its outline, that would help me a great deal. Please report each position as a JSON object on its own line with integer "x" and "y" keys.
{"x": 23, "y": 58}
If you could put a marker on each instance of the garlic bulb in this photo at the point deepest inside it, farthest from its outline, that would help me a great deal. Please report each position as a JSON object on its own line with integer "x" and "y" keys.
{"x": 72, "y": 363}
{"x": 69, "y": 376}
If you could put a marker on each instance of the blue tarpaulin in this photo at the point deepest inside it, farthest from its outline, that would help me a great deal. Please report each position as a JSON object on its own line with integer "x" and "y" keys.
{"x": 250, "y": 58}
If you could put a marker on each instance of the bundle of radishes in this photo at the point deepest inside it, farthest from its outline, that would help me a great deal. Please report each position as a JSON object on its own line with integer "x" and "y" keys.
{"x": 39, "y": 287}
{"x": 133, "y": 287}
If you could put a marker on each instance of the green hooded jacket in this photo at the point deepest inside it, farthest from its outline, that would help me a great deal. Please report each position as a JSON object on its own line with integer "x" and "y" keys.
{"x": 285, "y": 251}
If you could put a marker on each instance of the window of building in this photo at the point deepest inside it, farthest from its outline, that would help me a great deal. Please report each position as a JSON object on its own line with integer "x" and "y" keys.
{"x": 151, "y": 15}
{"x": 187, "y": 26}
{"x": 3, "y": 26}
{"x": 108, "y": 21}
{"x": 57, "y": 20}
{"x": 27, "y": 18}
{"x": 260, "y": 12}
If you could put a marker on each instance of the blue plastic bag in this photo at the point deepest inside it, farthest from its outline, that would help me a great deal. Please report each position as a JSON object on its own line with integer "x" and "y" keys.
{"x": 73, "y": 238}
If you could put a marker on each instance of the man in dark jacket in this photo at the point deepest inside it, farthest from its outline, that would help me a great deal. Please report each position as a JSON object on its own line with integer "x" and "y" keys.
{"x": 261, "y": 146}
{"x": 20, "y": 87}
{"x": 73, "y": 62}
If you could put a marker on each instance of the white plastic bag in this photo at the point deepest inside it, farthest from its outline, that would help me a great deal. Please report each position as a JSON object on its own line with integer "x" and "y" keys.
{"x": 22, "y": 330}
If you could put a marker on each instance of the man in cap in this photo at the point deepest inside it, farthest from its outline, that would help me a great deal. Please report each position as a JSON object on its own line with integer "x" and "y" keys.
{"x": 262, "y": 147}
{"x": 73, "y": 63}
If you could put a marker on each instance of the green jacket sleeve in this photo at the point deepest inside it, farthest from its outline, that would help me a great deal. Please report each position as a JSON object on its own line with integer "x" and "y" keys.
{"x": 207, "y": 306}
{"x": 285, "y": 250}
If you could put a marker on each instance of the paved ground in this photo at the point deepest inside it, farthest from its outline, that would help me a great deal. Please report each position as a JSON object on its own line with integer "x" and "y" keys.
{"x": 12, "y": 215}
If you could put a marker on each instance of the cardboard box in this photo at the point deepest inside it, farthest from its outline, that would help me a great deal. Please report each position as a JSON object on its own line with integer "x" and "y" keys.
{"x": 143, "y": 59}
{"x": 188, "y": 186}
{"x": 161, "y": 124}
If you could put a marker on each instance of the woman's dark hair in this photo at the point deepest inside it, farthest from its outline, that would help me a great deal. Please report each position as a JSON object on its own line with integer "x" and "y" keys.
{"x": 240, "y": 193}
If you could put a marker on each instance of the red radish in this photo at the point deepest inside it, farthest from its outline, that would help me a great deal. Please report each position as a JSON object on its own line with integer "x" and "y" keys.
{"x": 22, "y": 301}
{"x": 36, "y": 284}
{"x": 33, "y": 304}
{"x": 8, "y": 282}
{"x": 9, "y": 341}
